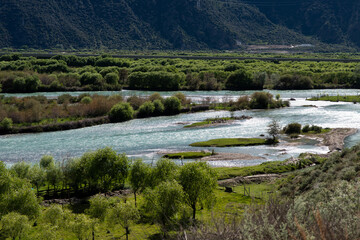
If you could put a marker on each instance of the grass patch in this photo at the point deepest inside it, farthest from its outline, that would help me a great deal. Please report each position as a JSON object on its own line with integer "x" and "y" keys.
{"x": 338, "y": 98}
{"x": 209, "y": 121}
{"x": 187, "y": 155}
{"x": 231, "y": 142}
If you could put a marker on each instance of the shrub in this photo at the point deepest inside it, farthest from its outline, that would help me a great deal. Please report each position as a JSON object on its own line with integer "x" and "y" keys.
{"x": 6, "y": 124}
{"x": 293, "y": 128}
{"x": 172, "y": 105}
{"x": 288, "y": 82}
{"x": 86, "y": 100}
{"x": 91, "y": 79}
{"x": 121, "y": 112}
{"x": 159, "y": 107}
{"x": 261, "y": 100}
{"x": 112, "y": 78}
{"x": 242, "y": 80}
{"x": 147, "y": 109}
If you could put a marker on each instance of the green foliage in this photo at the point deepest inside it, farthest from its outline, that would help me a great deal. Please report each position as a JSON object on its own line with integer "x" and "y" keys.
{"x": 139, "y": 174}
{"x": 91, "y": 79}
{"x": 6, "y": 124}
{"x": 146, "y": 109}
{"x": 82, "y": 226}
{"x": 156, "y": 80}
{"x": 172, "y": 105}
{"x": 86, "y": 100}
{"x": 165, "y": 170}
{"x": 292, "y": 128}
{"x": 158, "y": 107}
{"x": 53, "y": 215}
{"x": 121, "y": 112}
{"x": 123, "y": 214}
{"x": 290, "y": 82}
{"x": 47, "y": 162}
{"x": 99, "y": 206}
{"x": 111, "y": 78}
{"x": 15, "y": 225}
{"x": 274, "y": 129}
{"x": 21, "y": 169}
{"x": 243, "y": 80}
{"x": 199, "y": 181}
{"x": 164, "y": 202}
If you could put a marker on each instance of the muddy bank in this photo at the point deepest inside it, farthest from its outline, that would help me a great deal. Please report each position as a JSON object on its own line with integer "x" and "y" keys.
{"x": 335, "y": 138}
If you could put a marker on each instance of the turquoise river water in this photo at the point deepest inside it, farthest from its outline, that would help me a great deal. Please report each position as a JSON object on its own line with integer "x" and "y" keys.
{"x": 149, "y": 138}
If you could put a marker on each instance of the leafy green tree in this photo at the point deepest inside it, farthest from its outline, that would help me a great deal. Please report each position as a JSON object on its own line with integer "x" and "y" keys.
{"x": 74, "y": 173}
{"x": 123, "y": 214}
{"x": 274, "y": 129}
{"x": 16, "y": 195}
{"x": 6, "y": 124}
{"x": 54, "y": 175}
{"x": 99, "y": 206}
{"x": 15, "y": 225}
{"x": 121, "y": 112}
{"x": 139, "y": 174}
{"x": 164, "y": 202}
{"x": 82, "y": 226}
{"x": 112, "y": 78}
{"x": 46, "y": 162}
{"x": 172, "y": 105}
{"x": 86, "y": 100}
{"x": 146, "y": 109}
{"x": 53, "y": 215}
{"x": 242, "y": 80}
{"x": 199, "y": 182}
{"x": 165, "y": 170}
{"x": 158, "y": 107}
{"x": 21, "y": 169}
{"x": 261, "y": 100}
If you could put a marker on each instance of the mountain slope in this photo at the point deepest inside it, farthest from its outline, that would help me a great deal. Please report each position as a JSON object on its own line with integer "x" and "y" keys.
{"x": 158, "y": 24}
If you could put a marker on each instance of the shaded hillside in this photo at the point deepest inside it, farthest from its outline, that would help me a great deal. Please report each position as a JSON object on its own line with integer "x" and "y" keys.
{"x": 333, "y": 21}
{"x": 157, "y": 24}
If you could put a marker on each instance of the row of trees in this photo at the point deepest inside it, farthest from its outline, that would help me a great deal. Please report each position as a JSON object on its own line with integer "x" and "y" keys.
{"x": 107, "y": 73}
{"x": 168, "y": 191}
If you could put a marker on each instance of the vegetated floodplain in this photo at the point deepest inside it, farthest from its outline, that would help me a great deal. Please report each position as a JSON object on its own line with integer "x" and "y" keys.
{"x": 354, "y": 99}
{"x": 74, "y": 73}
{"x": 231, "y": 142}
{"x": 187, "y": 155}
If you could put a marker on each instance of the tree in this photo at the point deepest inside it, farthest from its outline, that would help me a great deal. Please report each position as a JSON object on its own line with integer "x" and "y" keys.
{"x": 53, "y": 215}
{"x": 121, "y": 112}
{"x": 15, "y": 225}
{"x": 158, "y": 107}
{"x": 21, "y": 169}
{"x": 99, "y": 206}
{"x": 112, "y": 78}
{"x": 139, "y": 173}
{"x": 123, "y": 214}
{"x": 146, "y": 109}
{"x": 164, "y": 202}
{"x": 165, "y": 170}
{"x": 82, "y": 226}
{"x": 242, "y": 80}
{"x": 199, "y": 182}
{"x": 172, "y": 105}
{"x": 274, "y": 129}
{"x": 47, "y": 161}
{"x": 6, "y": 124}
{"x": 37, "y": 177}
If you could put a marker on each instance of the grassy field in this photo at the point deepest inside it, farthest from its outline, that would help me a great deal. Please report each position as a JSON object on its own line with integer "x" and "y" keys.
{"x": 338, "y": 98}
{"x": 187, "y": 155}
{"x": 230, "y": 142}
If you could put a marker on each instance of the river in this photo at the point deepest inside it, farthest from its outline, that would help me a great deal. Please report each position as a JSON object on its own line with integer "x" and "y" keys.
{"x": 148, "y": 138}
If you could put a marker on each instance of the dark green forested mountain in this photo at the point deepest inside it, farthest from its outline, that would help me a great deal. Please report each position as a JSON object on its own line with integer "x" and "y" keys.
{"x": 176, "y": 24}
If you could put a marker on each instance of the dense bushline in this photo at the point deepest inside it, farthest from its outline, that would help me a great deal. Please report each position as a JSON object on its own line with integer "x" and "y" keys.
{"x": 73, "y": 73}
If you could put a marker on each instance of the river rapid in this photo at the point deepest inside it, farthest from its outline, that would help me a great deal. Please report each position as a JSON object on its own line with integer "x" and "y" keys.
{"x": 149, "y": 138}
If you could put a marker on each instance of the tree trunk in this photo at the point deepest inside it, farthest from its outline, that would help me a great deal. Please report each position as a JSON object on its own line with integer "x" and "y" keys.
{"x": 194, "y": 210}
{"x": 135, "y": 198}
{"x": 127, "y": 232}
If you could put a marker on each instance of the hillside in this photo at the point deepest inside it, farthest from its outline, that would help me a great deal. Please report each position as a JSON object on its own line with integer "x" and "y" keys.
{"x": 171, "y": 24}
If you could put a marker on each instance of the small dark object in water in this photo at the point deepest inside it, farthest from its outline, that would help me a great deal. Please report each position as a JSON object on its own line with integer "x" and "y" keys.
{"x": 292, "y": 99}
{"x": 262, "y": 135}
